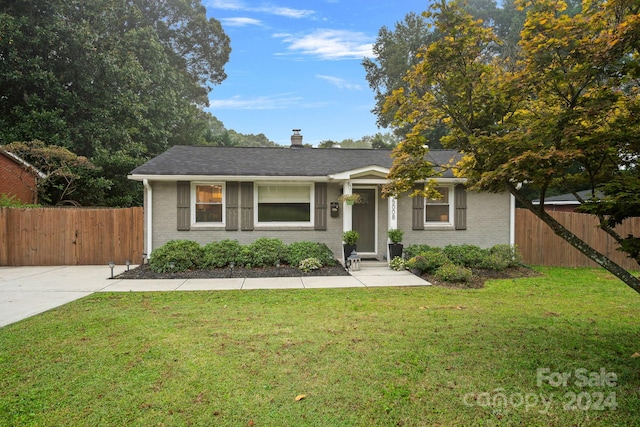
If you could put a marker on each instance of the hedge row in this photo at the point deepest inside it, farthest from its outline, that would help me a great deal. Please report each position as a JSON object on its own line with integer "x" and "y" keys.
{"x": 454, "y": 263}
{"x": 183, "y": 255}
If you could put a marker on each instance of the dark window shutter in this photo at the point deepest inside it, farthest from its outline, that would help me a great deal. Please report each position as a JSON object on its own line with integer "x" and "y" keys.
{"x": 184, "y": 205}
{"x": 418, "y": 212}
{"x": 320, "y": 216}
{"x": 460, "y": 199}
{"x": 231, "y": 206}
{"x": 246, "y": 205}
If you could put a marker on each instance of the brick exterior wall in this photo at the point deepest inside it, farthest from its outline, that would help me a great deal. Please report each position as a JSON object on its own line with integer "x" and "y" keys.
{"x": 165, "y": 221}
{"x": 488, "y": 222}
{"x": 16, "y": 180}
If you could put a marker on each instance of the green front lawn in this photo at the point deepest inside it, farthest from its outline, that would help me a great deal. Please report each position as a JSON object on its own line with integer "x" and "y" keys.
{"x": 361, "y": 357}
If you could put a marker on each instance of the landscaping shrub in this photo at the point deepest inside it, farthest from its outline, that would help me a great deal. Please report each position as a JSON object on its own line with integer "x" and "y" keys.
{"x": 454, "y": 273}
{"x": 220, "y": 254}
{"x": 245, "y": 257}
{"x": 266, "y": 252}
{"x": 185, "y": 254}
{"x": 414, "y": 250}
{"x": 428, "y": 261}
{"x": 309, "y": 264}
{"x": 494, "y": 261}
{"x": 508, "y": 253}
{"x": 298, "y": 251}
{"x": 466, "y": 255}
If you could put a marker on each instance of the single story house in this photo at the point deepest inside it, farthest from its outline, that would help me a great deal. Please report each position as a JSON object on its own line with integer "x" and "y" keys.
{"x": 205, "y": 194}
{"x": 18, "y": 178}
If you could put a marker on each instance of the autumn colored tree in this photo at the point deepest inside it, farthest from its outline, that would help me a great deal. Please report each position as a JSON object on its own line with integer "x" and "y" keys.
{"x": 564, "y": 115}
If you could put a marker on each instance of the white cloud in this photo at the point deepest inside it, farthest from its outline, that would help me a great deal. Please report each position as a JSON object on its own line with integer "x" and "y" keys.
{"x": 273, "y": 102}
{"x": 239, "y": 22}
{"x": 339, "y": 83}
{"x": 226, "y": 4}
{"x": 285, "y": 11}
{"x": 330, "y": 44}
{"x": 266, "y": 8}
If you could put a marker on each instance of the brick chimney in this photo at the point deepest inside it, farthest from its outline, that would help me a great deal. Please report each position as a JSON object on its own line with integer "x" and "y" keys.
{"x": 296, "y": 139}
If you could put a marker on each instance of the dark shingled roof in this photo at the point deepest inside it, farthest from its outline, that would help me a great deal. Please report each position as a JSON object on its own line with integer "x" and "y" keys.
{"x": 272, "y": 161}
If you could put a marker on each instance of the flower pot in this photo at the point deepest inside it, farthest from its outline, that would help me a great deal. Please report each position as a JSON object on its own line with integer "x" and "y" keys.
{"x": 395, "y": 250}
{"x": 350, "y": 202}
{"x": 347, "y": 250}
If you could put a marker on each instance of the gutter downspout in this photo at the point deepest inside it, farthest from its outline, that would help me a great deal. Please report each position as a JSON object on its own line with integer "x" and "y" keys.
{"x": 512, "y": 220}
{"x": 149, "y": 212}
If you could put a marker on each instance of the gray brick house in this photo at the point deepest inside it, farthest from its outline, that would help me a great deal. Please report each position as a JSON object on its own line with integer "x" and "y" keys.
{"x": 243, "y": 193}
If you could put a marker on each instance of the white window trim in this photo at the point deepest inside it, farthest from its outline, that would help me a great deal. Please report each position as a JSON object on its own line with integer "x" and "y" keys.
{"x": 434, "y": 224}
{"x": 195, "y": 224}
{"x": 312, "y": 197}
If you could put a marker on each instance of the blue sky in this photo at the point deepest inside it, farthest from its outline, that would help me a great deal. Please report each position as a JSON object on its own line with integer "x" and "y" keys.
{"x": 297, "y": 64}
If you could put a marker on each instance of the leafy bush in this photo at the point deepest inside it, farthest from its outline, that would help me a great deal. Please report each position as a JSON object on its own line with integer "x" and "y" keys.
{"x": 266, "y": 252}
{"x": 309, "y": 264}
{"x": 245, "y": 257}
{"x": 398, "y": 264}
{"x": 185, "y": 254}
{"x": 10, "y": 201}
{"x": 454, "y": 273}
{"x": 494, "y": 262}
{"x": 466, "y": 255}
{"x": 414, "y": 250}
{"x": 428, "y": 261}
{"x": 299, "y": 251}
{"x": 220, "y": 254}
{"x": 508, "y": 253}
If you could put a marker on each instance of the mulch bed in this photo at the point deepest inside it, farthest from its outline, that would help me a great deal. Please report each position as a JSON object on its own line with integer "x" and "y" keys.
{"x": 144, "y": 272}
{"x": 481, "y": 275}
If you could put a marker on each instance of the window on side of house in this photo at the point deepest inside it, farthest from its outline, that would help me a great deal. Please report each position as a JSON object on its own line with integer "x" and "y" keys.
{"x": 209, "y": 203}
{"x": 440, "y": 211}
{"x": 284, "y": 203}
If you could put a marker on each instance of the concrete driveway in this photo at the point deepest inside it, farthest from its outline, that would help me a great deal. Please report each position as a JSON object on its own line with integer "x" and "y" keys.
{"x": 27, "y": 291}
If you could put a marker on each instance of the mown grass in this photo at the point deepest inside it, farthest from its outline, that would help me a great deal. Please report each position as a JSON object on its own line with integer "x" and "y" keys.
{"x": 362, "y": 357}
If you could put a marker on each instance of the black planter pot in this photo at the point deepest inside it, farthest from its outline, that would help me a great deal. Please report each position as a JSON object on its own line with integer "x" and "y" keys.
{"x": 347, "y": 250}
{"x": 395, "y": 250}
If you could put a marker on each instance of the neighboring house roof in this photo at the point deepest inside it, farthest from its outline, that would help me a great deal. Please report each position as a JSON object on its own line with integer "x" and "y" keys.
{"x": 19, "y": 160}
{"x": 273, "y": 161}
{"x": 568, "y": 198}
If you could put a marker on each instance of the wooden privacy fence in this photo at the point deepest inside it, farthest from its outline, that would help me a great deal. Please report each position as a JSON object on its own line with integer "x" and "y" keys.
{"x": 540, "y": 246}
{"x": 70, "y": 236}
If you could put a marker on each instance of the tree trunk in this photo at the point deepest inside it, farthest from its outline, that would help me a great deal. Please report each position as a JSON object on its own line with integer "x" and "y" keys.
{"x": 560, "y": 230}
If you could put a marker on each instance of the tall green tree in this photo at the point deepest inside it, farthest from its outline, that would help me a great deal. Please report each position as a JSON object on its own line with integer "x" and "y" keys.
{"x": 565, "y": 116}
{"x": 397, "y": 50}
{"x": 126, "y": 78}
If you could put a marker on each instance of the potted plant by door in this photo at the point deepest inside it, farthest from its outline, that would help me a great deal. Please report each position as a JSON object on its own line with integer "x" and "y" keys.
{"x": 350, "y": 238}
{"x": 395, "y": 247}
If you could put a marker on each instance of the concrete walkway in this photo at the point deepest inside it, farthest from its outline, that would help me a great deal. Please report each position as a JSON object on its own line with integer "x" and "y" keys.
{"x": 27, "y": 291}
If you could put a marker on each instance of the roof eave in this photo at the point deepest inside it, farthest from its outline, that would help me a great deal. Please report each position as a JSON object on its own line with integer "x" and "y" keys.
{"x": 142, "y": 177}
